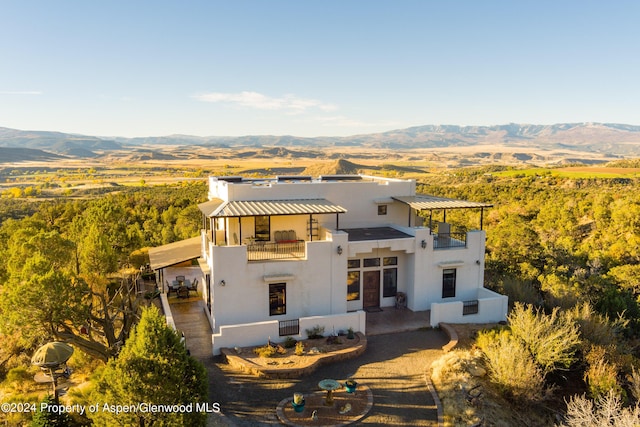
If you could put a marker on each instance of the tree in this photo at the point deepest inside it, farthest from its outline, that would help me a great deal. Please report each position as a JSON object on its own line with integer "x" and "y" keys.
{"x": 152, "y": 368}
{"x": 43, "y": 298}
{"x": 50, "y": 418}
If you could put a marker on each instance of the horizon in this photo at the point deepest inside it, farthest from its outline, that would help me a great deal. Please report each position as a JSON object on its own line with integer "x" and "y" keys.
{"x": 319, "y": 136}
{"x": 335, "y": 69}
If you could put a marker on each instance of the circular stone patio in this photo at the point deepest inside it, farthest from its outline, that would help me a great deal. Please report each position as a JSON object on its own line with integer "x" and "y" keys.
{"x": 360, "y": 402}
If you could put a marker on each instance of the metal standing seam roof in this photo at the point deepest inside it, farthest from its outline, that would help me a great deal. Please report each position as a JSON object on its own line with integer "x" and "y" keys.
{"x": 175, "y": 253}
{"x": 426, "y": 202}
{"x": 207, "y": 208}
{"x": 237, "y": 208}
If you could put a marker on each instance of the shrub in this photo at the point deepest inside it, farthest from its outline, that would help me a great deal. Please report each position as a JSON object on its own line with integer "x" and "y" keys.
{"x": 315, "y": 332}
{"x": 265, "y": 351}
{"x": 332, "y": 339}
{"x": 513, "y": 369}
{"x": 289, "y": 342}
{"x": 18, "y": 374}
{"x": 299, "y": 348}
{"x": 19, "y": 378}
{"x": 552, "y": 339}
{"x": 595, "y": 327}
{"x": 601, "y": 376}
{"x": 634, "y": 383}
{"x": 607, "y": 410}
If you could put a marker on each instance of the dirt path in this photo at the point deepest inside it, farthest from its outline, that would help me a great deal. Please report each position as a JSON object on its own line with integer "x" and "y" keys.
{"x": 393, "y": 367}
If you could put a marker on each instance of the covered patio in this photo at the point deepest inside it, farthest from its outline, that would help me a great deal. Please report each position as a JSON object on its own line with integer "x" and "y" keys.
{"x": 173, "y": 265}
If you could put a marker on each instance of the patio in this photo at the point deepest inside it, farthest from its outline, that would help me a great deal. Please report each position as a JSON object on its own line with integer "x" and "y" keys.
{"x": 190, "y": 318}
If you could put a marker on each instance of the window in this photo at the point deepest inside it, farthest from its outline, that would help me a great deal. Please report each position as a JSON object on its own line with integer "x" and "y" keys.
{"x": 382, "y": 209}
{"x": 277, "y": 299}
{"x": 391, "y": 260}
{"x": 390, "y": 282}
{"x": 372, "y": 262}
{"x": 449, "y": 283}
{"x": 470, "y": 307}
{"x": 353, "y": 285}
{"x": 353, "y": 263}
{"x": 263, "y": 229}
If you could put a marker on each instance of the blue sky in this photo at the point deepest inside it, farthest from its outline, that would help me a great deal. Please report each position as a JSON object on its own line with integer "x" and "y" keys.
{"x": 313, "y": 68}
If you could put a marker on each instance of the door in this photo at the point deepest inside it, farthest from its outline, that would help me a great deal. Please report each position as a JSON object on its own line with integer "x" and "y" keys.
{"x": 371, "y": 289}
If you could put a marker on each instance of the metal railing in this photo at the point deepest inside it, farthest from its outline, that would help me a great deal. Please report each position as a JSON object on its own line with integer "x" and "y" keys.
{"x": 470, "y": 307}
{"x": 450, "y": 240}
{"x": 289, "y": 327}
{"x": 265, "y": 251}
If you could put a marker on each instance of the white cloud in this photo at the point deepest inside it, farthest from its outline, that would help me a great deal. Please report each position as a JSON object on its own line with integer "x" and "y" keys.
{"x": 20, "y": 92}
{"x": 289, "y": 103}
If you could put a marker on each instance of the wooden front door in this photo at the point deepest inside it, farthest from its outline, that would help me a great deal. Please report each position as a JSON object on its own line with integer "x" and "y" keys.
{"x": 371, "y": 289}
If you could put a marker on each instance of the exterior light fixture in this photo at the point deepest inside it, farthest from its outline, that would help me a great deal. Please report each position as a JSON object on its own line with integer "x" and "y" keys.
{"x": 423, "y": 244}
{"x": 222, "y": 283}
{"x": 339, "y": 250}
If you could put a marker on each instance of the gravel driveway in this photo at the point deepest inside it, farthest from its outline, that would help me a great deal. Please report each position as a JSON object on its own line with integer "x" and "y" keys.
{"x": 393, "y": 366}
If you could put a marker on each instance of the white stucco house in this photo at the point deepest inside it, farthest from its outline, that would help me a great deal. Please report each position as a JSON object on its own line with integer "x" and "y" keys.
{"x": 282, "y": 255}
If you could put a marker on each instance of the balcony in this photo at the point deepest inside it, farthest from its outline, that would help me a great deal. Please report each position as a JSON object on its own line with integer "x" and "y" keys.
{"x": 449, "y": 240}
{"x": 268, "y": 251}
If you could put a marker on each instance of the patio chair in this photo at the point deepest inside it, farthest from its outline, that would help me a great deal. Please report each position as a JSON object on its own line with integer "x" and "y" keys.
{"x": 180, "y": 278}
{"x": 183, "y": 292}
{"x": 194, "y": 286}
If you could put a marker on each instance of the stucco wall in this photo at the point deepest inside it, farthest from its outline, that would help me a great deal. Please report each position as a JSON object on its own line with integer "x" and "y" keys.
{"x": 362, "y": 210}
{"x": 254, "y": 334}
{"x": 492, "y": 307}
{"x": 314, "y": 286}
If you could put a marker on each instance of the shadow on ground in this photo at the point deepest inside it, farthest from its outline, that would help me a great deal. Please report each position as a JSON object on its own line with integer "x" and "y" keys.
{"x": 393, "y": 366}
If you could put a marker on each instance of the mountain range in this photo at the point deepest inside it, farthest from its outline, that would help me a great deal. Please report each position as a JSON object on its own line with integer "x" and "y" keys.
{"x": 610, "y": 139}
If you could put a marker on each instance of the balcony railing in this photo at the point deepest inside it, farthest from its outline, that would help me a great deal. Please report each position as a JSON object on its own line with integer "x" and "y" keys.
{"x": 266, "y": 251}
{"x": 450, "y": 240}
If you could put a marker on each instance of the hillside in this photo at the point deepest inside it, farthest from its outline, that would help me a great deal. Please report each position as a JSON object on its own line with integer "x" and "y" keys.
{"x": 339, "y": 167}
{"x": 26, "y": 155}
{"x": 464, "y": 145}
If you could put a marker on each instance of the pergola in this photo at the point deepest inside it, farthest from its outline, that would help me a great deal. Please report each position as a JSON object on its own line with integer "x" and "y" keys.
{"x": 424, "y": 202}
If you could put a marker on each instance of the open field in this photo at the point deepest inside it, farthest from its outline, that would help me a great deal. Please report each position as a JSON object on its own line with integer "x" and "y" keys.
{"x": 158, "y": 165}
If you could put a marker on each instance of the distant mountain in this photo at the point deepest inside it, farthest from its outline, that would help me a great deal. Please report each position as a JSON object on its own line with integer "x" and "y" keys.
{"x": 57, "y": 142}
{"x": 11, "y": 154}
{"x": 603, "y": 138}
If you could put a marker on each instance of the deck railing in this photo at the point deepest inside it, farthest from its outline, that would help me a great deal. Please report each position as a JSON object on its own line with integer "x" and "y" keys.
{"x": 265, "y": 251}
{"x": 450, "y": 240}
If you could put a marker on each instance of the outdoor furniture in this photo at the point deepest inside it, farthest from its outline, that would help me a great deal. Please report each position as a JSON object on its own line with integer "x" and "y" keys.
{"x": 194, "y": 286}
{"x": 183, "y": 292}
{"x": 329, "y": 386}
{"x": 180, "y": 278}
{"x": 171, "y": 287}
